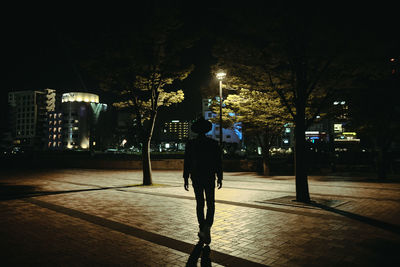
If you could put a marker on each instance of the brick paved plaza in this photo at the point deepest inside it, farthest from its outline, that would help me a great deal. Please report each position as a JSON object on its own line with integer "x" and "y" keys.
{"x": 80, "y": 217}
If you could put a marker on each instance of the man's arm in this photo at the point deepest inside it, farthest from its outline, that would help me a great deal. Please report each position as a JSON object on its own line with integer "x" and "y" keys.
{"x": 187, "y": 166}
{"x": 219, "y": 167}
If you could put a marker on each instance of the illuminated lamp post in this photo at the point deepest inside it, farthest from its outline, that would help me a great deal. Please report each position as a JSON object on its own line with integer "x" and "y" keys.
{"x": 220, "y": 76}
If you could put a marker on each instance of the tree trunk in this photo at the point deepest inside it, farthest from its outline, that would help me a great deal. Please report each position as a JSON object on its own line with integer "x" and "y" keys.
{"x": 266, "y": 164}
{"x": 331, "y": 144}
{"x": 302, "y": 193}
{"x": 147, "y": 179}
{"x": 381, "y": 164}
{"x": 147, "y": 171}
{"x": 265, "y": 154}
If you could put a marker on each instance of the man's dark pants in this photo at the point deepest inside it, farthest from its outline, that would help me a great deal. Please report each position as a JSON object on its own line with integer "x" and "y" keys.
{"x": 206, "y": 188}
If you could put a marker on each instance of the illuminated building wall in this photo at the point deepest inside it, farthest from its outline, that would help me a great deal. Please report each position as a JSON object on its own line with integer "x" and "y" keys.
{"x": 54, "y": 120}
{"x": 176, "y": 130}
{"x": 174, "y": 135}
{"x": 29, "y": 116}
{"x": 231, "y": 135}
{"x": 80, "y": 112}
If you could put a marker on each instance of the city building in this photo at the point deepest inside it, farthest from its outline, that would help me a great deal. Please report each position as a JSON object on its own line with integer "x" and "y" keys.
{"x": 176, "y": 130}
{"x": 343, "y": 135}
{"x": 231, "y": 135}
{"x": 175, "y": 134}
{"x": 80, "y": 112}
{"x": 29, "y": 111}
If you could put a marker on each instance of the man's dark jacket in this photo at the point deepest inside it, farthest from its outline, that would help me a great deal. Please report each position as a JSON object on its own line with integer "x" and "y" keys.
{"x": 202, "y": 160}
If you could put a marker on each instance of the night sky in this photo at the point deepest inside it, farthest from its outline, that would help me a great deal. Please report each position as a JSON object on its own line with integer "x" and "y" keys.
{"x": 35, "y": 57}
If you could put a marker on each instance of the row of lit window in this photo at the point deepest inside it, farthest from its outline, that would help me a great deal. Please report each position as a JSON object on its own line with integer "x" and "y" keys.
{"x": 55, "y": 136}
{"x": 54, "y": 144}
{"x": 178, "y": 130}
{"x": 55, "y": 129}
{"x": 178, "y": 127}
{"x": 71, "y": 121}
{"x": 55, "y": 122}
{"x": 55, "y": 115}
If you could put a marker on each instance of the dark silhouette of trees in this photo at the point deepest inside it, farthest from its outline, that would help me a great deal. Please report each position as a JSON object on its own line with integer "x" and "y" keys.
{"x": 140, "y": 61}
{"x": 376, "y": 116}
{"x": 303, "y": 55}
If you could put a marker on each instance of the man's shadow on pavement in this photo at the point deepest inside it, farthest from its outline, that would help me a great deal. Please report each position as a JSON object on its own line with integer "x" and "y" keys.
{"x": 195, "y": 255}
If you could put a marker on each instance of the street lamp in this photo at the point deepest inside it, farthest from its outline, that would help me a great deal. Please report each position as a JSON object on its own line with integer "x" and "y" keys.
{"x": 220, "y": 76}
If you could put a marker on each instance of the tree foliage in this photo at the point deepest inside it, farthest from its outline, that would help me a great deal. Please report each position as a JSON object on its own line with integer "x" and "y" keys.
{"x": 303, "y": 55}
{"x": 262, "y": 116}
{"x": 256, "y": 110}
{"x": 142, "y": 67}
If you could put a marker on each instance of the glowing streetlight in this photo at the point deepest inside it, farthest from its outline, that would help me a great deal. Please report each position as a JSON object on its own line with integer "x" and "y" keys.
{"x": 220, "y": 77}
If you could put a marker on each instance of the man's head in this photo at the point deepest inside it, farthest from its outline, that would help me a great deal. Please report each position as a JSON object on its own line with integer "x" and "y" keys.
{"x": 201, "y": 126}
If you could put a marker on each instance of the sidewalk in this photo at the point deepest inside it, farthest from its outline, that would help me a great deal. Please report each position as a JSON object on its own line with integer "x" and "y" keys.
{"x": 80, "y": 217}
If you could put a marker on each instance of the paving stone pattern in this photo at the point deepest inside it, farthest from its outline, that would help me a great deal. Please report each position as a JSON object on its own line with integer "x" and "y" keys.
{"x": 80, "y": 217}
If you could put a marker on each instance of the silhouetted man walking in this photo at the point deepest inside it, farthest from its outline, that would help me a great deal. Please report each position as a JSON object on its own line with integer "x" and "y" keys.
{"x": 202, "y": 161}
